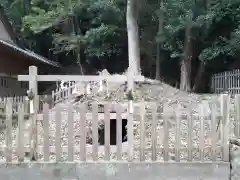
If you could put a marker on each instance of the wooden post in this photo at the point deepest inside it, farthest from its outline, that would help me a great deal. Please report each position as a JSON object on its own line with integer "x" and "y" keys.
{"x": 130, "y": 83}
{"x": 237, "y": 117}
{"x": 33, "y": 87}
{"x": 26, "y": 105}
{"x": 224, "y": 124}
{"x": 9, "y": 111}
{"x": 142, "y": 132}
{"x": 53, "y": 98}
{"x": 20, "y": 133}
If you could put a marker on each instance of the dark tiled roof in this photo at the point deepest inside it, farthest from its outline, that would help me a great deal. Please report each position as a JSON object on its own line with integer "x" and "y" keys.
{"x": 15, "y": 45}
{"x": 29, "y": 53}
{"x": 7, "y": 24}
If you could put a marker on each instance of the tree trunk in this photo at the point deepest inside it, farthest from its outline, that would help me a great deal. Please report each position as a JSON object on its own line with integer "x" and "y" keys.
{"x": 185, "y": 81}
{"x": 133, "y": 36}
{"x": 76, "y": 30}
{"x": 158, "y": 77}
{"x": 78, "y": 53}
{"x": 199, "y": 77}
{"x": 160, "y": 30}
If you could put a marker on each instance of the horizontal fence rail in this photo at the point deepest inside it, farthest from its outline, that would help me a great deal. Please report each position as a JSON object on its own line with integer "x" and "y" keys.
{"x": 151, "y": 133}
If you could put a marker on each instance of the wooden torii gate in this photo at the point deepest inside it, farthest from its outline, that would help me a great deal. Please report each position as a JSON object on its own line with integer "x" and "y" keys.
{"x": 33, "y": 78}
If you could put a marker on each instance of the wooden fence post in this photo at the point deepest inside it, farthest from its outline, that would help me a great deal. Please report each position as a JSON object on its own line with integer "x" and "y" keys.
{"x": 20, "y": 134}
{"x": 224, "y": 125}
{"x": 237, "y": 117}
{"x": 130, "y": 83}
{"x": 46, "y": 151}
{"x": 9, "y": 111}
{"x": 33, "y": 87}
{"x": 213, "y": 130}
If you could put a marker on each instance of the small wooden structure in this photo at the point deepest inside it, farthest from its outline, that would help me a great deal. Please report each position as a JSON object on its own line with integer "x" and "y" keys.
{"x": 16, "y": 59}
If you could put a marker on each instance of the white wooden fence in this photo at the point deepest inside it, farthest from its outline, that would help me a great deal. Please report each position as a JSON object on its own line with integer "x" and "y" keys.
{"x": 61, "y": 133}
{"x": 33, "y": 78}
{"x": 61, "y": 95}
{"x": 228, "y": 81}
{"x": 15, "y": 99}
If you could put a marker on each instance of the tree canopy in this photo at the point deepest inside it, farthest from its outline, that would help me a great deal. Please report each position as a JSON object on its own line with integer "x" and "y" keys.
{"x": 205, "y": 33}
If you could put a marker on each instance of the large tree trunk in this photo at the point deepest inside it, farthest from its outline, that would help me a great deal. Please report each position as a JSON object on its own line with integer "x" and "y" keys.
{"x": 185, "y": 81}
{"x": 77, "y": 31}
{"x": 160, "y": 30}
{"x": 199, "y": 77}
{"x": 158, "y": 63}
{"x": 198, "y": 82}
{"x": 133, "y": 36}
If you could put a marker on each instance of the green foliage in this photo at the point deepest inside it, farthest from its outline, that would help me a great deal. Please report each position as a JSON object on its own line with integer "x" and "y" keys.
{"x": 97, "y": 31}
{"x": 98, "y": 40}
{"x": 100, "y": 29}
{"x": 67, "y": 43}
{"x": 41, "y": 19}
{"x": 216, "y": 28}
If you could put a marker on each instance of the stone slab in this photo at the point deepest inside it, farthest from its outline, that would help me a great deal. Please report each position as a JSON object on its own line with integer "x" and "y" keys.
{"x": 115, "y": 171}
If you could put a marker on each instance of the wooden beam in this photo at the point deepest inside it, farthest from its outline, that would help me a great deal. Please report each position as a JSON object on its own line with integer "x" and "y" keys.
{"x": 111, "y": 78}
{"x": 89, "y": 116}
{"x": 113, "y": 149}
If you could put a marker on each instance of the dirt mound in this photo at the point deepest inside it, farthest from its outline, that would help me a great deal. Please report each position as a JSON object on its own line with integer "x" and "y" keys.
{"x": 149, "y": 91}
